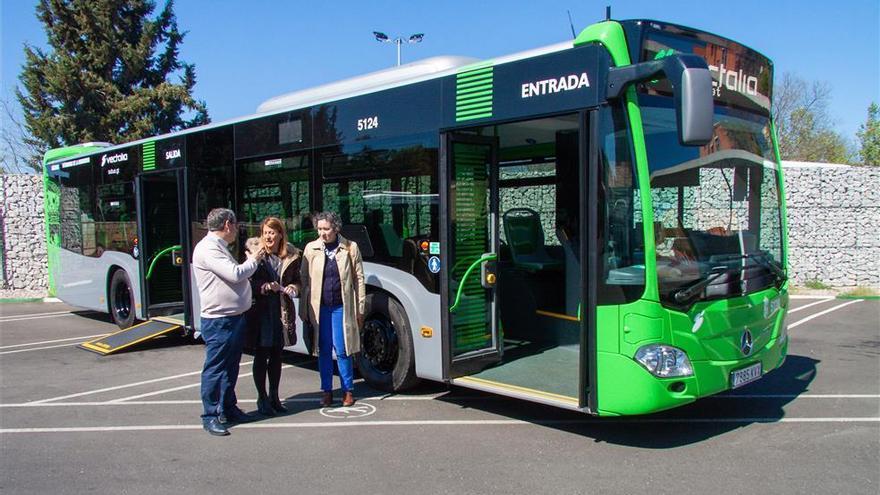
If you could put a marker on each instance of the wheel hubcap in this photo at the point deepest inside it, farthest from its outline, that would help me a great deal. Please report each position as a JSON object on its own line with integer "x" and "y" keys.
{"x": 122, "y": 302}
{"x": 379, "y": 344}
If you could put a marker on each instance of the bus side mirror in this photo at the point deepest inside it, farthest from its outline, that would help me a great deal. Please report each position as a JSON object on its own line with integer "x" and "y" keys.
{"x": 692, "y": 87}
{"x": 694, "y": 107}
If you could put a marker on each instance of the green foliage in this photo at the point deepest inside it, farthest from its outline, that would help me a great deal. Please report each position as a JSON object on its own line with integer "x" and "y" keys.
{"x": 106, "y": 74}
{"x": 869, "y": 137}
{"x": 804, "y": 126}
{"x": 816, "y": 284}
{"x": 867, "y": 292}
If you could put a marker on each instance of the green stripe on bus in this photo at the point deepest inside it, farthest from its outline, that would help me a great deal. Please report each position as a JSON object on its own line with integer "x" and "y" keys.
{"x": 468, "y": 113}
{"x": 471, "y": 106}
{"x": 463, "y": 78}
{"x": 466, "y": 99}
{"x": 471, "y": 72}
{"x": 473, "y": 117}
{"x": 149, "y": 155}
{"x": 473, "y": 86}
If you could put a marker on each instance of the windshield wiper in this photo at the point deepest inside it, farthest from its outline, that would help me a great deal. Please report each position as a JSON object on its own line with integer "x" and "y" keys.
{"x": 764, "y": 260}
{"x": 687, "y": 293}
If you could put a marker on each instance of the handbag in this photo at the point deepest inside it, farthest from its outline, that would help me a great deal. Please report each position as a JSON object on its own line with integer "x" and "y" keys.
{"x": 288, "y": 331}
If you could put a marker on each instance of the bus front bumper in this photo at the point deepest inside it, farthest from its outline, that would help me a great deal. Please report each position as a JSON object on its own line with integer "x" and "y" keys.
{"x": 626, "y": 388}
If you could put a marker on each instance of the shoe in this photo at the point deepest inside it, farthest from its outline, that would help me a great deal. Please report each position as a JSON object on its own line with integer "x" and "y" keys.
{"x": 348, "y": 399}
{"x": 327, "y": 399}
{"x": 278, "y": 406}
{"x": 235, "y": 415}
{"x": 264, "y": 407}
{"x": 214, "y": 427}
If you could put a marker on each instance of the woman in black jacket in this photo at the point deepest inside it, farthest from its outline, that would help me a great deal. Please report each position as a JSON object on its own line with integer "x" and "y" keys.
{"x": 272, "y": 318}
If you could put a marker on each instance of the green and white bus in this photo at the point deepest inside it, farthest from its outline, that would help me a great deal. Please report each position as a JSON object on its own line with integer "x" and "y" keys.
{"x": 598, "y": 225}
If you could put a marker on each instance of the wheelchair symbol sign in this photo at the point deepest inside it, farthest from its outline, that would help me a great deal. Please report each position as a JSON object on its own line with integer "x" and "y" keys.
{"x": 358, "y": 410}
{"x": 434, "y": 264}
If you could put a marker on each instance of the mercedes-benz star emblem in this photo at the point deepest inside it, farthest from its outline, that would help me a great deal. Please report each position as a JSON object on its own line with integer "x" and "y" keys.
{"x": 746, "y": 343}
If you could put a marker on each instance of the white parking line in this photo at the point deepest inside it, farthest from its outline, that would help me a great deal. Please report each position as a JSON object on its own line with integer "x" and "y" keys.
{"x": 84, "y": 337}
{"x": 4, "y": 318}
{"x": 38, "y": 348}
{"x": 447, "y": 422}
{"x": 129, "y": 401}
{"x": 795, "y": 310}
{"x": 25, "y": 318}
{"x": 175, "y": 389}
{"x": 119, "y": 387}
{"x": 834, "y": 308}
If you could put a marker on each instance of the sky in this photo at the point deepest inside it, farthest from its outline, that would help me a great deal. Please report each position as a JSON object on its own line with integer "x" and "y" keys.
{"x": 246, "y": 52}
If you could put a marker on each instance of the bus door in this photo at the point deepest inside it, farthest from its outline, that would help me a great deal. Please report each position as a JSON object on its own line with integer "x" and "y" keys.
{"x": 469, "y": 247}
{"x": 161, "y": 233}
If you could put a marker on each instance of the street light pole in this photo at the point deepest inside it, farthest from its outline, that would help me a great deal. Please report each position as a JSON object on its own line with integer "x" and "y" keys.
{"x": 384, "y": 38}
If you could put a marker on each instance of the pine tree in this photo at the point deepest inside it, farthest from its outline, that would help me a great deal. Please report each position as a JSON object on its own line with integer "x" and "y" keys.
{"x": 869, "y": 137}
{"x": 106, "y": 74}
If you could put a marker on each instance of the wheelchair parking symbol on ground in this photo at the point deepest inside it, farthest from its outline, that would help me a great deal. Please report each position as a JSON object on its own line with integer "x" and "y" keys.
{"x": 359, "y": 410}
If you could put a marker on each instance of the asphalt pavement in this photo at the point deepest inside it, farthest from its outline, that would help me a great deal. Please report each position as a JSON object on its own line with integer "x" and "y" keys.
{"x": 72, "y": 421}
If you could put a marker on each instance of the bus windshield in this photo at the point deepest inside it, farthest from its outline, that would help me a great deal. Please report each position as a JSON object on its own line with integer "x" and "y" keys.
{"x": 716, "y": 207}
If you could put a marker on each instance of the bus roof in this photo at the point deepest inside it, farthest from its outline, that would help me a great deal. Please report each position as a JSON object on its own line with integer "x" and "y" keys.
{"x": 420, "y": 70}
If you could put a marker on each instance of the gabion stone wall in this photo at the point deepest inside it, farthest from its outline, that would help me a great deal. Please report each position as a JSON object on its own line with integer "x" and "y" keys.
{"x": 23, "y": 270}
{"x": 833, "y": 219}
{"x": 834, "y": 223}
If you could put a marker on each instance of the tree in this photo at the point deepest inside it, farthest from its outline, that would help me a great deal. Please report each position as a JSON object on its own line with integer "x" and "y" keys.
{"x": 18, "y": 151}
{"x": 803, "y": 124}
{"x": 869, "y": 137}
{"x": 106, "y": 74}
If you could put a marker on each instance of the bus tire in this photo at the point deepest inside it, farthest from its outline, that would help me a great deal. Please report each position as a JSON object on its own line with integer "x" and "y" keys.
{"x": 387, "y": 360}
{"x": 120, "y": 299}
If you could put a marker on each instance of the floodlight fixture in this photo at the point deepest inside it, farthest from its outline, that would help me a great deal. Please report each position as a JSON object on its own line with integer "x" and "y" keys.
{"x": 384, "y": 38}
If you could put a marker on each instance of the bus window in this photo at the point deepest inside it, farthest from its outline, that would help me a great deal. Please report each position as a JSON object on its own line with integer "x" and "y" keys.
{"x": 77, "y": 216}
{"x": 275, "y": 186}
{"x": 115, "y": 211}
{"x": 211, "y": 181}
{"x": 621, "y": 241}
{"x": 390, "y": 188}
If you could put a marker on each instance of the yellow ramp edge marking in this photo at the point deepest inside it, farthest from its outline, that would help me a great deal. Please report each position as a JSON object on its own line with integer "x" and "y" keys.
{"x": 102, "y": 348}
{"x": 148, "y": 337}
{"x": 522, "y": 390}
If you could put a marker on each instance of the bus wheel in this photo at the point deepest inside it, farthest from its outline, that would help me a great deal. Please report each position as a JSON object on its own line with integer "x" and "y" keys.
{"x": 121, "y": 299}
{"x": 386, "y": 360}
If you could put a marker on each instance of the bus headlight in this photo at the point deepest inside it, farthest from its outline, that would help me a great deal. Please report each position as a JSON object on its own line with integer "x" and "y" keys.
{"x": 664, "y": 361}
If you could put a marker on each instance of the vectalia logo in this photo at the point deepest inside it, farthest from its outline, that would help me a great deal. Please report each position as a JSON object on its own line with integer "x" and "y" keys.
{"x": 111, "y": 159}
{"x": 564, "y": 83}
{"x": 735, "y": 80}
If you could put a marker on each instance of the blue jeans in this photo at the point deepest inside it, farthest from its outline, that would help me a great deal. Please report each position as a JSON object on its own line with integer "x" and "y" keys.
{"x": 223, "y": 342}
{"x": 331, "y": 338}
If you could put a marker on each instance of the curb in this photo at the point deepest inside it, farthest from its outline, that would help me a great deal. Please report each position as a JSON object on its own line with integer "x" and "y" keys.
{"x": 29, "y": 299}
{"x": 869, "y": 298}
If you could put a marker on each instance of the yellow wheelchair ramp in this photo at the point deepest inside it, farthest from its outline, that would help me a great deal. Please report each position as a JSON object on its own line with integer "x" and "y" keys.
{"x": 129, "y": 337}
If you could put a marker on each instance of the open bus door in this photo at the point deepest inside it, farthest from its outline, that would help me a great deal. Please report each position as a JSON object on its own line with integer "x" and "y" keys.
{"x": 469, "y": 247}
{"x": 163, "y": 239}
{"x": 518, "y": 258}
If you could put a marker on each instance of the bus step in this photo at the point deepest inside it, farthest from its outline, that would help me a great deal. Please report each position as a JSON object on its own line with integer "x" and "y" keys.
{"x": 129, "y": 337}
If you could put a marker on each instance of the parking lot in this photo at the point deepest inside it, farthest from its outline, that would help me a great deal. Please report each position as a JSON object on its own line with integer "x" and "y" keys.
{"x": 72, "y": 421}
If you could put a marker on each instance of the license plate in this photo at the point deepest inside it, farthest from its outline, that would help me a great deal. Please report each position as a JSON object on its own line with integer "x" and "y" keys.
{"x": 739, "y": 378}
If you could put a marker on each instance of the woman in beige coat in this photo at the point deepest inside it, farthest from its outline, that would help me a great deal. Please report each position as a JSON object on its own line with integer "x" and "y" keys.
{"x": 333, "y": 300}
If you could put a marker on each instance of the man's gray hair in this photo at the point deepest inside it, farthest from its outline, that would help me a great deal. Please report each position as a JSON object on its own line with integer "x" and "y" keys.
{"x": 329, "y": 217}
{"x": 218, "y": 217}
